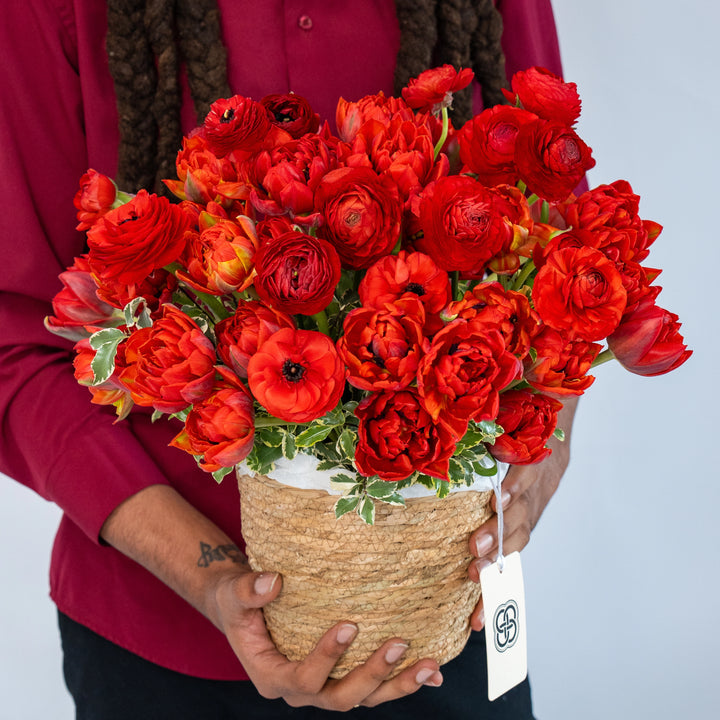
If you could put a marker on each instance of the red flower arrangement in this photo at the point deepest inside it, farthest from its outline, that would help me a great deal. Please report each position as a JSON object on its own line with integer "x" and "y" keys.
{"x": 351, "y": 298}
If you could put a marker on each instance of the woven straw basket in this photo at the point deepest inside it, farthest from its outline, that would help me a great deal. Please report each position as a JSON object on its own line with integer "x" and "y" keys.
{"x": 405, "y": 576}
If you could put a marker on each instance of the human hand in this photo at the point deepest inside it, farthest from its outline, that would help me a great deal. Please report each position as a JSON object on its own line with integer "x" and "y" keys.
{"x": 238, "y": 598}
{"x": 526, "y": 491}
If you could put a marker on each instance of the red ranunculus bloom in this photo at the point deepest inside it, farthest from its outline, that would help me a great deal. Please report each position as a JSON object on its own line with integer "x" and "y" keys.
{"x": 157, "y": 289}
{"x": 77, "y": 306}
{"x": 94, "y": 199}
{"x": 202, "y": 176}
{"x": 529, "y": 419}
{"x": 382, "y": 348}
{"x": 237, "y": 124}
{"x": 397, "y": 437}
{"x": 611, "y": 213}
{"x": 551, "y": 158}
{"x": 284, "y": 178}
{"x": 296, "y": 273}
{"x": 297, "y": 375}
{"x": 433, "y": 89}
{"x": 403, "y": 149}
{"x": 648, "y": 341}
{"x": 580, "y": 292}
{"x": 131, "y": 241}
{"x": 170, "y": 365}
{"x": 407, "y": 273}
{"x": 220, "y": 259}
{"x": 545, "y": 94}
{"x": 509, "y": 311}
{"x": 487, "y": 143}
{"x": 240, "y": 336}
{"x": 462, "y": 373}
{"x": 561, "y": 365}
{"x": 463, "y": 228}
{"x": 361, "y": 214}
{"x": 351, "y": 116}
{"x": 292, "y": 113}
{"x": 219, "y": 429}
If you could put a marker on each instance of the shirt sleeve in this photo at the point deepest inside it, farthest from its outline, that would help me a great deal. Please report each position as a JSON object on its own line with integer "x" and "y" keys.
{"x": 53, "y": 439}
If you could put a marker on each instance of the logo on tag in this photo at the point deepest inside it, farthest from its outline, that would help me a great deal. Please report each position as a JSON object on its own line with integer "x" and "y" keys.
{"x": 505, "y": 625}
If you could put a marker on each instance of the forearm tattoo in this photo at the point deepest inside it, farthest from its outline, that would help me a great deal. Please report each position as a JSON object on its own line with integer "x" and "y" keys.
{"x": 219, "y": 553}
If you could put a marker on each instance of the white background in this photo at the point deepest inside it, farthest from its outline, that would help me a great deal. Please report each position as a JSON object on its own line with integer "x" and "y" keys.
{"x": 620, "y": 575}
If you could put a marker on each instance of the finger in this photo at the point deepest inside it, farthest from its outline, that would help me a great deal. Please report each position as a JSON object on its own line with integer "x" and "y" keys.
{"x": 370, "y": 680}
{"x": 515, "y": 484}
{"x": 484, "y": 543}
{"x": 477, "y": 618}
{"x": 254, "y": 590}
{"x": 424, "y": 672}
{"x": 309, "y": 676}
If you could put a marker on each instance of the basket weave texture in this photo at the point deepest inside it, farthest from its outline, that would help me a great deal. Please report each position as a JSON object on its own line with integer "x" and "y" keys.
{"x": 405, "y": 576}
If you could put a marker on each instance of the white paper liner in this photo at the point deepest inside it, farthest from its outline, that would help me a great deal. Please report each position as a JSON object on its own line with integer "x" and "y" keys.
{"x": 301, "y": 472}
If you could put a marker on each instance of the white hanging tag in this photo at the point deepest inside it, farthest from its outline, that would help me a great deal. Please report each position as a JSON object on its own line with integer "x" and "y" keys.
{"x": 503, "y": 595}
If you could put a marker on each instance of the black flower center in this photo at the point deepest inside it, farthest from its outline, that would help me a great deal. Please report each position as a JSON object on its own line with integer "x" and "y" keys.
{"x": 415, "y": 288}
{"x": 227, "y": 116}
{"x": 292, "y": 371}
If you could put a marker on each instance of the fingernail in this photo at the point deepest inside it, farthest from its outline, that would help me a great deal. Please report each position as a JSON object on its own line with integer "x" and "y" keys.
{"x": 264, "y": 583}
{"x": 395, "y": 652}
{"x": 346, "y": 633}
{"x": 505, "y": 499}
{"x": 481, "y": 564}
{"x": 483, "y": 545}
{"x": 426, "y": 676}
{"x": 481, "y": 617}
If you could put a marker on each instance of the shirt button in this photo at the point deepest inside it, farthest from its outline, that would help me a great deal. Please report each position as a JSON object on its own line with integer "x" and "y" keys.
{"x": 305, "y": 22}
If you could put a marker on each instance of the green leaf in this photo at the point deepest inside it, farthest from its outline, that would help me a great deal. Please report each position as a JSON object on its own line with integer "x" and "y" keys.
{"x": 346, "y": 444}
{"x": 312, "y": 435}
{"x": 345, "y": 505}
{"x": 340, "y": 478}
{"x": 334, "y": 417}
{"x": 367, "y": 511}
{"x": 394, "y": 499}
{"x": 107, "y": 335}
{"x": 456, "y": 472}
{"x": 155, "y": 416}
{"x": 380, "y": 489}
{"x": 289, "y": 449}
{"x": 442, "y": 489}
{"x": 559, "y": 433}
{"x": 327, "y": 465}
{"x": 271, "y": 436}
{"x": 221, "y": 473}
{"x": 103, "y": 364}
{"x": 262, "y": 457}
{"x": 143, "y": 320}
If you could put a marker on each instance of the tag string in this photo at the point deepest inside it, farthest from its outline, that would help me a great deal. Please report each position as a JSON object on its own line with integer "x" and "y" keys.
{"x": 496, "y": 481}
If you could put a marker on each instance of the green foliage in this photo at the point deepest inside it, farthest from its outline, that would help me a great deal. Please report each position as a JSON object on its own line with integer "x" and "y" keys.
{"x": 105, "y": 343}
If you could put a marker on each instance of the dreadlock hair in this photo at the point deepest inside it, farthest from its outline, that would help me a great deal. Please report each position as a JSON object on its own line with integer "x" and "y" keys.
{"x": 147, "y": 40}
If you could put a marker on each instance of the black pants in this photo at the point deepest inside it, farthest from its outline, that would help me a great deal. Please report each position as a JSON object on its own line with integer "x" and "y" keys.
{"x": 110, "y": 683}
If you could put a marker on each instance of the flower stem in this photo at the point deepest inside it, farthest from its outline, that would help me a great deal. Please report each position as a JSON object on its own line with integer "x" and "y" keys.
{"x": 605, "y": 356}
{"x": 443, "y": 134}
{"x": 523, "y": 275}
{"x": 322, "y": 322}
{"x": 269, "y": 421}
{"x": 532, "y": 199}
{"x": 545, "y": 212}
{"x": 454, "y": 280}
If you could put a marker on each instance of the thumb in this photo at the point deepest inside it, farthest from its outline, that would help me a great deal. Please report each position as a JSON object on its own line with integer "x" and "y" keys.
{"x": 254, "y": 590}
